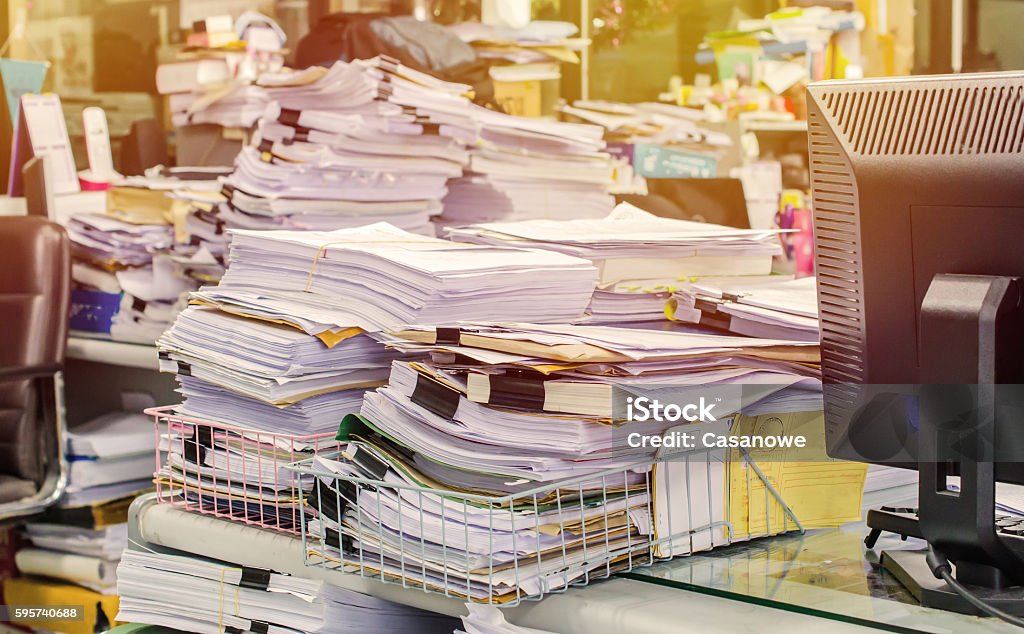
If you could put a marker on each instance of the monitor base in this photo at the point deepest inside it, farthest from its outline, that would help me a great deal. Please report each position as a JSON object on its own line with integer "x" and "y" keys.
{"x": 911, "y": 570}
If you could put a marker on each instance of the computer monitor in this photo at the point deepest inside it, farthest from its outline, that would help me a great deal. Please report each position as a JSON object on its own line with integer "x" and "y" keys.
{"x": 918, "y": 189}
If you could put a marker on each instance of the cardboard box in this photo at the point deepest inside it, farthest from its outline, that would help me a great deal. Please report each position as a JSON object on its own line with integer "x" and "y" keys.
{"x": 528, "y": 97}
{"x": 519, "y": 98}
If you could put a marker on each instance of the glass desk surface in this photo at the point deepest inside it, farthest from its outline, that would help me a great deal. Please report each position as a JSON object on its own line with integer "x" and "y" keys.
{"x": 826, "y": 572}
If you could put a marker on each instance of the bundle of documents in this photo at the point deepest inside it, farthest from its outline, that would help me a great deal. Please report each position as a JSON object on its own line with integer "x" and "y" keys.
{"x": 757, "y": 307}
{"x": 230, "y": 106}
{"x": 348, "y": 146}
{"x": 540, "y": 41}
{"x": 379, "y": 277}
{"x": 285, "y": 381}
{"x": 109, "y": 244}
{"x": 656, "y": 123}
{"x": 642, "y": 259}
{"x": 237, "y": 473}
{"x": 77, "y": 555}
{"x": 786, "y": 48}
{"x": 524, "y": 168}
{"x": 469, "y": 449}
{"x": 110, "y": 450}
{"x": 81, "y": 538}
{"x": 126, "y": 283}
{"x": 194, "y": 594}
{"x": 256, "y": 408}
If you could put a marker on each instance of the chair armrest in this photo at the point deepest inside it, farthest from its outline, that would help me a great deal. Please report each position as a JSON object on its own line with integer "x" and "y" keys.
{"x": 19, "y": 372}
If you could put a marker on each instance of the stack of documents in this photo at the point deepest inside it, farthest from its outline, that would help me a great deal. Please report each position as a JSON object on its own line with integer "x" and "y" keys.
{"x": 233, "y": 105}
{"x": 211, "y": 82}
{"x": 109, "y": 244}
{"x": 531, "y": 422}
{"x": 407, "y": 532}
{"x": 524, "y": 168}
{"x": 282, "y": 380}
{"x": 379, "y": 277}
{"x": 114, "y": 450}
{"x": 540, "y": 41}
{"x": 194, "y": 594}
{"x": 642, "y": 259}
{"x": 757, "y": 307}
{"x": 126, "y": 282}
{"x": 237, "y": 472}
{"x": 83, "y": 556}
{"x": 274, "y": 400}
{"x": 348, "y": 146}
{"x": 540, "y": 403}
{"x": 80, "y": 539}
{"x": 656, "y": 123}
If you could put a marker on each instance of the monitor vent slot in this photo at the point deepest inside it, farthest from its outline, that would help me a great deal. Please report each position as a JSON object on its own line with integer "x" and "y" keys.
{"x": 931, "y": 120}
{"x": 838, "y": 247}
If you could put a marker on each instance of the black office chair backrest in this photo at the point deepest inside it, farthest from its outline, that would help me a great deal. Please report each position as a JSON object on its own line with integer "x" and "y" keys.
{"x": 35, "y": 295}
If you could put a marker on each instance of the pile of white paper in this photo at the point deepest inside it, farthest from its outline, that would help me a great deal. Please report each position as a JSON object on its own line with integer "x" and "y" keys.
{"x": 500, "y": 409}
{"x": 113, "y": 256}
{"x": 107, "y": 242}
{"x": 347, "y": 146}
{"x": 478, "y": 551}
{"x": 655, "y": 123}
{"x": 526, "y": 168}
{"x": 642, "y": 258}
{"x": 193, "y": 594}
{"x": 231, "y": 106}
{"x": 282, "y": 381}
{"x": 764, "y": 307}
{"x": 379, "y": 277}
{"x": 114, "y": 449}
{"x": 112, "y": 459}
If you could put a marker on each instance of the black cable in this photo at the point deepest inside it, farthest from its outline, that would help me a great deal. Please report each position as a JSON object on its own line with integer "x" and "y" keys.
{"x": 943, "y": 570}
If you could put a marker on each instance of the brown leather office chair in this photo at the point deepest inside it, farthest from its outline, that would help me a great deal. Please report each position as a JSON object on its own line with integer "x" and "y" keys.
{"x": 35, "y": 292}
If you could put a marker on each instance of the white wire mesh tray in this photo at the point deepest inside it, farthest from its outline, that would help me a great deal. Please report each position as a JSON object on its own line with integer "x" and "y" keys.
{"x": 371, "y": 514}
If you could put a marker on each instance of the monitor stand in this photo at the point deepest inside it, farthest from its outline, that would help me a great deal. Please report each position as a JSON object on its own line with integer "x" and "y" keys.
{"x": 966, "y": 321}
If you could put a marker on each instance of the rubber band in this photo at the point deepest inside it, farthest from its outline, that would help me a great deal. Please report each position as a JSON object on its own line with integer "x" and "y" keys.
{"x": 322, "y": 252}
{"x": 220, "y": 616}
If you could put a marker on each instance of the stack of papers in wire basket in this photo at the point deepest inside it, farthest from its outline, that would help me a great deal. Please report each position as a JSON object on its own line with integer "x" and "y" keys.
{"x": 234, "y": 472}
{"x": 383, "y": 512}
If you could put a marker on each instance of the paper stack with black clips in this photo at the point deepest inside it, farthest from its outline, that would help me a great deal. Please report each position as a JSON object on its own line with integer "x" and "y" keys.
{"x": 193, "y": 594}
{"x": 500, "y": 467}
{"x": 524, "y": 168}
{"x": 346, "y": 146}
{"x": 768, "y": 307}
